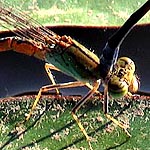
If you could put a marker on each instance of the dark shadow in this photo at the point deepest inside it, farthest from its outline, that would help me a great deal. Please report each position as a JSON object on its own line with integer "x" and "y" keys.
{"x": 53, "y": 133}
{"x": 100, "y": 129}
{"x": 15, "y": 136}
{"x": 48, "y": 136}
{"x": 114, "y": 147}
{"x": 82, "y": 138}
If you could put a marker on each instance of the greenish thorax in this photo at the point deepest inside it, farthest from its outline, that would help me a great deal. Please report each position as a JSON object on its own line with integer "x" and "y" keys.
{"x": 76, "y": 61}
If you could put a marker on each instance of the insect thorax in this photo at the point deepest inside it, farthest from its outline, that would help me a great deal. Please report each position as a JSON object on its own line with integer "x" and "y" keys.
{"x": 75, "y": 61}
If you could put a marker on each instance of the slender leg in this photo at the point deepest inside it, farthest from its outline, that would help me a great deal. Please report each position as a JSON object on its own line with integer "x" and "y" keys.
{"x": 105, "y": 109}
{"x": 91, "y": 87}
{"x": 52, "y": 67}
{"x": 79, "y": 104}
{"x": 47, "y": 68}
{"x": 52, "y": 87}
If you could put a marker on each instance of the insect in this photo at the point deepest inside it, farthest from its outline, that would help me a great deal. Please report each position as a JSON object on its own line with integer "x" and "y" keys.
{"x": 64, "y": 54}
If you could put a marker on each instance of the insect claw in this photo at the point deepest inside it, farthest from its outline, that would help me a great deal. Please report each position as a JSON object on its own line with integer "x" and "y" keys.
{"x": 90, "y": 146}
{"x": 128, "y": 134}
{"x": 121, "y": 125}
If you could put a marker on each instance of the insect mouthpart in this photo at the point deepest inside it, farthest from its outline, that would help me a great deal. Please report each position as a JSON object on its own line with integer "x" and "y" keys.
{"x": 117, "y": 88}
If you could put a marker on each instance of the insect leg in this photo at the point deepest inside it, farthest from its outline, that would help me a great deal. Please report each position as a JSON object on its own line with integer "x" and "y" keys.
{"x": 106, "y": 112}
{"x": 47, "y": 68}
{"x": 79, "y": 104}
{"x": 52, "y": 67}
{"x": 52, "y": 87}
{"x": 91, "y": 87}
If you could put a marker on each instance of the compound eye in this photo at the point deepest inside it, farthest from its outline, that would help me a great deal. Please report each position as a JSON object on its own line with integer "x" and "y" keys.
{"x": 117, "y": 88}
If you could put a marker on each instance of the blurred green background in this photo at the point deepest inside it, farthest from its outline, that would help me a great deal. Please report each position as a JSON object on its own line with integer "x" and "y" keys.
{"x": 80, "y": 12}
